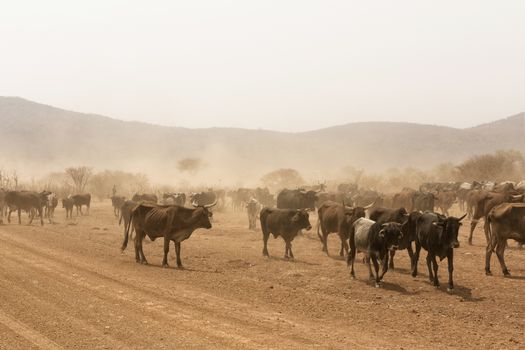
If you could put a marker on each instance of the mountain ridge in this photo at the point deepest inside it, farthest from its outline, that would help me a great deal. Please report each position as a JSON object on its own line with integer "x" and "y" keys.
{"x": 43, "y": 138}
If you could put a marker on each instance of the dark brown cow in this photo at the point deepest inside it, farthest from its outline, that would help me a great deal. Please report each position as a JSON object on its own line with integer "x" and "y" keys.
{"x": 80, "y": 200}
{"x": 286, "y": 223}
{"x": 173, "y": 222}
{"x": 68, "y": 204}
{"x": 28, "y": 201}
{"x": 506, "y": 221}
{"x": 117, "y": 202}
{"x": 335, "y": 217}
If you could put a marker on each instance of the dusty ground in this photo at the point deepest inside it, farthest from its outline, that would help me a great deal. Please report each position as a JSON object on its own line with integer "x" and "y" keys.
{"x": 67, "y": 286}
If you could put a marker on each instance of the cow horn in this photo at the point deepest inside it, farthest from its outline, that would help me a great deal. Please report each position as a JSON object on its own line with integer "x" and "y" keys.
{"x": 369, "y": 206}
{"x": 461, "y": 218}
{"x": 210, "y": 205}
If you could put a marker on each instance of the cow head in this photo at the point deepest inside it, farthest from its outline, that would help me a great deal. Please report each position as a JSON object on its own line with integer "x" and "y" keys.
{"x": 301, "y": 219}
{"x": 449, "y": 229}
{"x": 203, "y": 214}
{"x": 310, "y": 198}
{"x": 391, "y": 234}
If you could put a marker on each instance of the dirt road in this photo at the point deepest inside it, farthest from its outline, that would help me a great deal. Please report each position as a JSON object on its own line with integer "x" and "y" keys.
{"x": 67, "y": 286}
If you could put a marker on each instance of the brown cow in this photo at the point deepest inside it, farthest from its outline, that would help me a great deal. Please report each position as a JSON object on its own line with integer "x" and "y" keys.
{"x": 82, "y": 199}
{"x": 68, "y": 204}
{"x": 173, "y": 222}
{"x": 485, "y": 201}
{"x": 335, "y": 217}
{"x": 445, "y": 200}
{"x": 28, "y": 201}
{"x": 506, "y": 221}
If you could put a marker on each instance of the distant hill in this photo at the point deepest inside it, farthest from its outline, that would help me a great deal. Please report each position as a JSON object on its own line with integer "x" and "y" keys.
{"x": 36, "y": 139}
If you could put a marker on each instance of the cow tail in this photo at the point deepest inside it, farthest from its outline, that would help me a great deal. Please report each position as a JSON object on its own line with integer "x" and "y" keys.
{"x": 489, "y": 233}
{"x": 127, "y": 229}
{"x": 120, "y": 218}
{"x": 318, "y": 226}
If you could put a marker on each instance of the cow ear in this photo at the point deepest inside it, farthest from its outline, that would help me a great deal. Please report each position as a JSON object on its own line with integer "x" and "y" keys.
{"x": 382, "y": 233}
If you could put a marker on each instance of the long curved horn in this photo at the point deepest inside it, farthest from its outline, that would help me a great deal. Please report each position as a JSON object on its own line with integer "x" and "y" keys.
{"x": 369, "y": 206}
{"x": 210, "y": 205}
{"x": 461, "y": 218}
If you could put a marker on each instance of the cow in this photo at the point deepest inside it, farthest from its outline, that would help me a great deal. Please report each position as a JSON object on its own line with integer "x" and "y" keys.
{"x": 286, "y": 223}
{"x": 408, "y": 221}
{"x": 117, "y": 202}
{"x": 484, "y": 202}
{"x": 145, "y": 197}
{"x": 264, "y": 197}
{"x": 204, "y": 198}
{"x": 177, "y": 198}
{"x": 252, "y": 207}
{"x": 335, "y": 217}
{"x": 297, "y": 199}
{"x": 438, "y": 235}
{"x": 375, "y": 240}
{"x": 80, "y": 200}
{"x": 172, "y": 222}
{"x": 50, "y": 206}
{"x": 2, "y": 205}
{"x": 240, "y": 197}
{"x": 28, "y": 201}
{"x": 506, "y": 221}
{"x": 445, "y": 200}
{"x": 404, "y": 199}
{"x": 68, "y": 204}
{"x": 125, "y": 215}
{"x": 423, "y": 201}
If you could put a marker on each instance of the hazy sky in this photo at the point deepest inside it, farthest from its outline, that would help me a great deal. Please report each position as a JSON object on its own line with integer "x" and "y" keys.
{"x": 282, "y": 65}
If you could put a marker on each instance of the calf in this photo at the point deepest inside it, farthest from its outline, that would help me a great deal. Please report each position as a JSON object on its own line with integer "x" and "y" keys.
{"x": 68, "y": 204}
{"x": 375, "y": 241}
{"x": 50, "y": 206}
{"x": 506, "y": 221}
{"x": 285, "y": 223}
{"x": 438, "y": 235}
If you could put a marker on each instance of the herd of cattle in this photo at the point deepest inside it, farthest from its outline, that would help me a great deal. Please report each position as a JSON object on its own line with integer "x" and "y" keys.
{"x": 366, "y": 221}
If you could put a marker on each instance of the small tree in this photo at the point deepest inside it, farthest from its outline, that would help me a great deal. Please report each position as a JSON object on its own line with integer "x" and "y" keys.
{"x": 282, "y": 178}
{"x": 190, "y": 165}
{"x": 80, "y": 176}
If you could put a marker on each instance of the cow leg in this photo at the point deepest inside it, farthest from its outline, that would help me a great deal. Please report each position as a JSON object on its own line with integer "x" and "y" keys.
{"x": 376, "y": 268}
{"x": 450, "y": 261}
{"x": 429, "y": 265}
{"x": 41, "y": 217}
{"x": 488, "y": 254}
{"x": 486, "y": 229}
{"x": 177, "y": 251}
{"x": 473, "y": 225}
{"x": 435, "y": 265}
{"x": 166, "y": 251}
{"x": 19, "y": 216}
{"x": 410, "y": 254}
{"x": 325, "y": 241}
{"x": 370, "y": 273}
{"x": 390, "y": 258}
{"x": 500, "y": 251}
{"x": 350, "y": 261}
{"x": 290, "y": 251}
{"x": 137, "y": 249}
{"x": 384, "y": 268}
{"x": 415, "y": 259}
{"x": 265, "y": 244}
{"x": 287, "y": 248}
{"x": 31, "y": 216}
